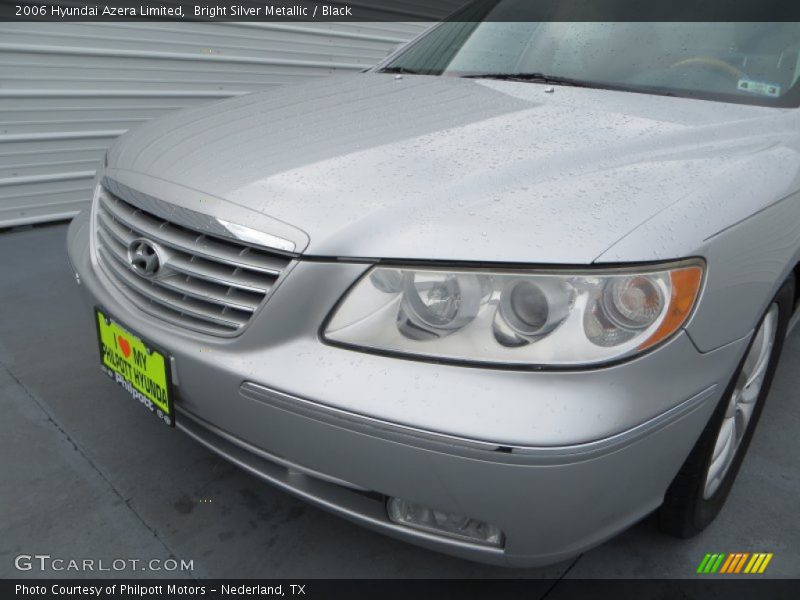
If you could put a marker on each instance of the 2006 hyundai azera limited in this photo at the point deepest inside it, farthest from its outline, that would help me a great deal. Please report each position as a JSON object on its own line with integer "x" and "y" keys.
{"x": 503, "y": 295}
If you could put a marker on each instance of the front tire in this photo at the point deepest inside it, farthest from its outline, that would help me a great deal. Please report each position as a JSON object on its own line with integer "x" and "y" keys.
{"x": 699, "y": 490}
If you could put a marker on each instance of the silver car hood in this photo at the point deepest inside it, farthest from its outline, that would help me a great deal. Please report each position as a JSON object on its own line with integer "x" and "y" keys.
{"x": 472, "y": 170}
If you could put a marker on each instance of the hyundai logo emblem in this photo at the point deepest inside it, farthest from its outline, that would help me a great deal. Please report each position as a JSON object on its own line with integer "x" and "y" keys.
{"x": 143, "y": 257}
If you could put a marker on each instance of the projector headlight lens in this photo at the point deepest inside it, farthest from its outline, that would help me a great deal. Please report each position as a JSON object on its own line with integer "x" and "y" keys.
{"x": 437, "y": 304}
{"x": 537, "y": 318}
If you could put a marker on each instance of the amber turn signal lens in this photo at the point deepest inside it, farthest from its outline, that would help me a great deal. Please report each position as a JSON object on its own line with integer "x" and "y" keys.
{"x": 685, "y": 289}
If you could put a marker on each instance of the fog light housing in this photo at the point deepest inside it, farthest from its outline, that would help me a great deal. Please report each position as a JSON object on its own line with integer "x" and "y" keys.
{"x": 439, "y": 522}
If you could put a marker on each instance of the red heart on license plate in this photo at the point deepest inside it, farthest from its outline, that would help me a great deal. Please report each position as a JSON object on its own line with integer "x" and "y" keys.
{"x": 124, "y": 346}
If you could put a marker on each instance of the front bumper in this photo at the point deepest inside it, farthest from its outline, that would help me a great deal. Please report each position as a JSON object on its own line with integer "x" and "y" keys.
{"x": 559, "y": 461}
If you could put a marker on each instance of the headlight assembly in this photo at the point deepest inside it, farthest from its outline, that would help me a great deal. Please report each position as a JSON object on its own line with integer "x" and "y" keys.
{"x": 534, "y": 318}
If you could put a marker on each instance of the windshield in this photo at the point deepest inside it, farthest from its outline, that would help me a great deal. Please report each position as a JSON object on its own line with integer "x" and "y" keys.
{"x": 754, "y": 63}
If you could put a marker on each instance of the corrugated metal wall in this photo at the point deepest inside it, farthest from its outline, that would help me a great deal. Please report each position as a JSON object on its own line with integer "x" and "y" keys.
{"x": 68, "y": 89}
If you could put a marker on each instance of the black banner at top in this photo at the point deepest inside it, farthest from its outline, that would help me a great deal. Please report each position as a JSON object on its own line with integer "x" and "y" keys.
{"x": 401, "y": 10}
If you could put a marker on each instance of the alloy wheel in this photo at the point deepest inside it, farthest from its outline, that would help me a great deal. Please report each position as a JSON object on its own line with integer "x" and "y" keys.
{"x": 742, "y": 403}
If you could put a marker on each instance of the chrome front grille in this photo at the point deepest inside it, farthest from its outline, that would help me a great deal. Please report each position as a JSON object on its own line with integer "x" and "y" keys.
{"x": 205, "y": 282}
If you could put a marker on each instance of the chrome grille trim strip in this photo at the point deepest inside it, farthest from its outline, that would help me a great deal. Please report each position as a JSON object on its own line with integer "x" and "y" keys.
{"x": 199, "y": 221}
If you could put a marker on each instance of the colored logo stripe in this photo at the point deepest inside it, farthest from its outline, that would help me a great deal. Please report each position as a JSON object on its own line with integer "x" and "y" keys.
{"x": 735, "y": 562}
{"x": 726, "y": 567}
{"x": 711, "y": 563}
{"x": 703, "y": 563}
{"x": 758, "y": 563}
{"x": 740, "y": 564}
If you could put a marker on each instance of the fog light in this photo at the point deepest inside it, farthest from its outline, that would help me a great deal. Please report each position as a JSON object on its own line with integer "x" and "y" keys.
{"x": 432, "y": 520}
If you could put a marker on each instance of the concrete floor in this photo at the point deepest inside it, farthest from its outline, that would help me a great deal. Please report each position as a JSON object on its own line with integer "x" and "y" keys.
{"x": 86, "y": 472}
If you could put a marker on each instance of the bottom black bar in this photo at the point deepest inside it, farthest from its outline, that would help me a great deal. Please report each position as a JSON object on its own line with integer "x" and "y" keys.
{"x": 415, "y": 589}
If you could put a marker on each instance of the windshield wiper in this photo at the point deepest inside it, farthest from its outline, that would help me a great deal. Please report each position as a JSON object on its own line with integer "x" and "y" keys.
{"x": 530, "y": 77}
{"x": 400, "y": 70}
{"x": 533, "y": 78}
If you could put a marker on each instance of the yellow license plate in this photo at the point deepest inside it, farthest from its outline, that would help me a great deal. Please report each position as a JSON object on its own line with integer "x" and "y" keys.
{"x": 137, "y": 366}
